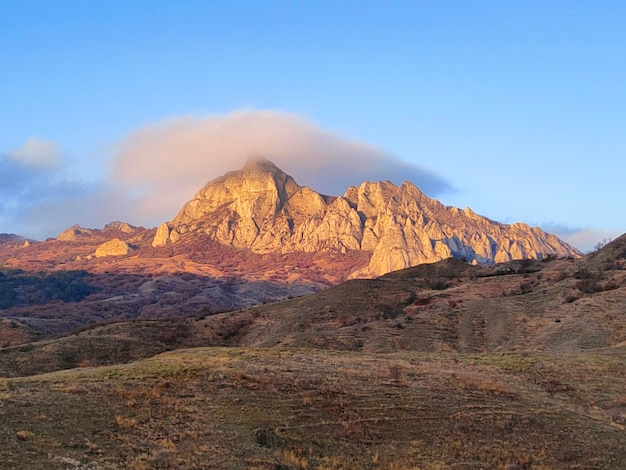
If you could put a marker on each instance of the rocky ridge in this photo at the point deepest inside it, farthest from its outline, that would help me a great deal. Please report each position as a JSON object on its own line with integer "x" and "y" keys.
{"x": 263, "y": 209}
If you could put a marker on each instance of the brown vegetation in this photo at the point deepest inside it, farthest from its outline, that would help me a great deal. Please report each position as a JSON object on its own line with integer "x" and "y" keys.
{"x": 275, "y": 408}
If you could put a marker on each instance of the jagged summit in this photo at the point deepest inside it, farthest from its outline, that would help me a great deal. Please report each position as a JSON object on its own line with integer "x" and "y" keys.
{"x": 263, "y": 209}
{"x": 76, "y": 231}
{"x": 121, "y": 226}
{"x": 71, "y": 233}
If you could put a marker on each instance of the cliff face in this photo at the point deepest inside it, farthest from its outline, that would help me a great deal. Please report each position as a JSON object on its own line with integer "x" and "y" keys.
{"x": 263, "y": 209}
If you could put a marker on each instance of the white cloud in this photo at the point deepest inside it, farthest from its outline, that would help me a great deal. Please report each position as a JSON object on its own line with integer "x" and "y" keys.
{"x": 585, "y": 239}
{"x": 37, "y": 153}
{"x": 157, "y": 168}
{"x": 34, "y": 177}
{"x": 163, "y": 165}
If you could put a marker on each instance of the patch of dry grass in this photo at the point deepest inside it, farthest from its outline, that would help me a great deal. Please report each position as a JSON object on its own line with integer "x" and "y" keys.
{"x": 311, "y": 409}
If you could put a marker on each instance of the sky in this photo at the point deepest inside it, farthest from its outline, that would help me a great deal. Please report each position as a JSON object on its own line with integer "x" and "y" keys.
{"x": 116, "y": 110}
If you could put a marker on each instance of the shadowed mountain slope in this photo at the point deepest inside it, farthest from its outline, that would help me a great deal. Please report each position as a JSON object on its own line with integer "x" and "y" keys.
{"x": 449, "y": 306}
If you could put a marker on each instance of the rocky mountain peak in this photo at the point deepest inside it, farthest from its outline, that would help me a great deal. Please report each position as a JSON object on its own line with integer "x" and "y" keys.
{"x": 121, "y": 226}
{"x": 260, "y": 174}
{"x": 258, "y": 190}
{"x": 263, "y": 209}
{"x": 71, "y": 233}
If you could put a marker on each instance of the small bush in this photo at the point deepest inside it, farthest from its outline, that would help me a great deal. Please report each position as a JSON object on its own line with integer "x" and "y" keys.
{"x": 423, "y": 301}
{"x": 125, "y": 423}
{"x": 591, "y": 286}
{"x": 566, "y": 455}
{"x": 395, "y": 372}
{"x": 437, "y": 284}
{"x": 560, "y": 276}
{"x": 588, "y": 286}
{"x": 584, "y": 273}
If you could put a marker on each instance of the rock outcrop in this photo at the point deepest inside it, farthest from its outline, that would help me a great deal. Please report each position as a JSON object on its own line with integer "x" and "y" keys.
{"x": 263, "y": 209}
{"x": 70, "y": 234}
{"x": 121, "y": 226}
{"x": 114, "y": 247}
{"x": 162, "y": 236}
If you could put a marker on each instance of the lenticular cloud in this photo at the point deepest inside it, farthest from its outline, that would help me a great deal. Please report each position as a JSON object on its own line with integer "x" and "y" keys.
{"x": 164, "y": 164}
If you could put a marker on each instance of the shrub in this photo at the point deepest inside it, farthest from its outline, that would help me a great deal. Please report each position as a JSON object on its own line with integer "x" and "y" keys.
{"x": 395, "y": 372}
{"x": 584, "y": 273}
{"x": 438, "y": 284}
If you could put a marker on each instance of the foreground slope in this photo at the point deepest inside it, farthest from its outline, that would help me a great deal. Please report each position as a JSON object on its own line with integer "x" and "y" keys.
{"x": 556, "y": 305}
{"x": 300, "y": 409}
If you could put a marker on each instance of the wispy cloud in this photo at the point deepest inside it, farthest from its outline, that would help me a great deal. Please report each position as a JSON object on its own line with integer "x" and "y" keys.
{"x": 34, "y": 177}
{"x": 583, "y": 238}
{"x": 37, "y": 153}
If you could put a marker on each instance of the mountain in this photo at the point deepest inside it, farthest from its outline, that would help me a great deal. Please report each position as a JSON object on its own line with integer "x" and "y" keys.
{"x": 263, "y": 209}
{"x": 248, "y": 237}
{"x": 515, "y": 365}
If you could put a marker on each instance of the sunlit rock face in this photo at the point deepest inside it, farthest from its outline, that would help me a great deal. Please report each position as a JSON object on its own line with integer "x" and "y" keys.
{"x": 263, "y": 209}
{"x": 73, "y": 232}
{"x": 114, "y": 247}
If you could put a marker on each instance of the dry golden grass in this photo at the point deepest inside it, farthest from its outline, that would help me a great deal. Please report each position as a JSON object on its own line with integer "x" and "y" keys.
{"x": 232, "y": 408}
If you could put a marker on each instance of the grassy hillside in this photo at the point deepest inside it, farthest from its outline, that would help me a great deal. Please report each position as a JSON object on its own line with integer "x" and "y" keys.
{"x": 554, "y": 305}
{"x": 306, "y": 409}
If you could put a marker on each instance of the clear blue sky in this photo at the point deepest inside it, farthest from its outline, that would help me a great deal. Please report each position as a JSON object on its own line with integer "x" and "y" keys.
{"x": 520, "y": 107}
